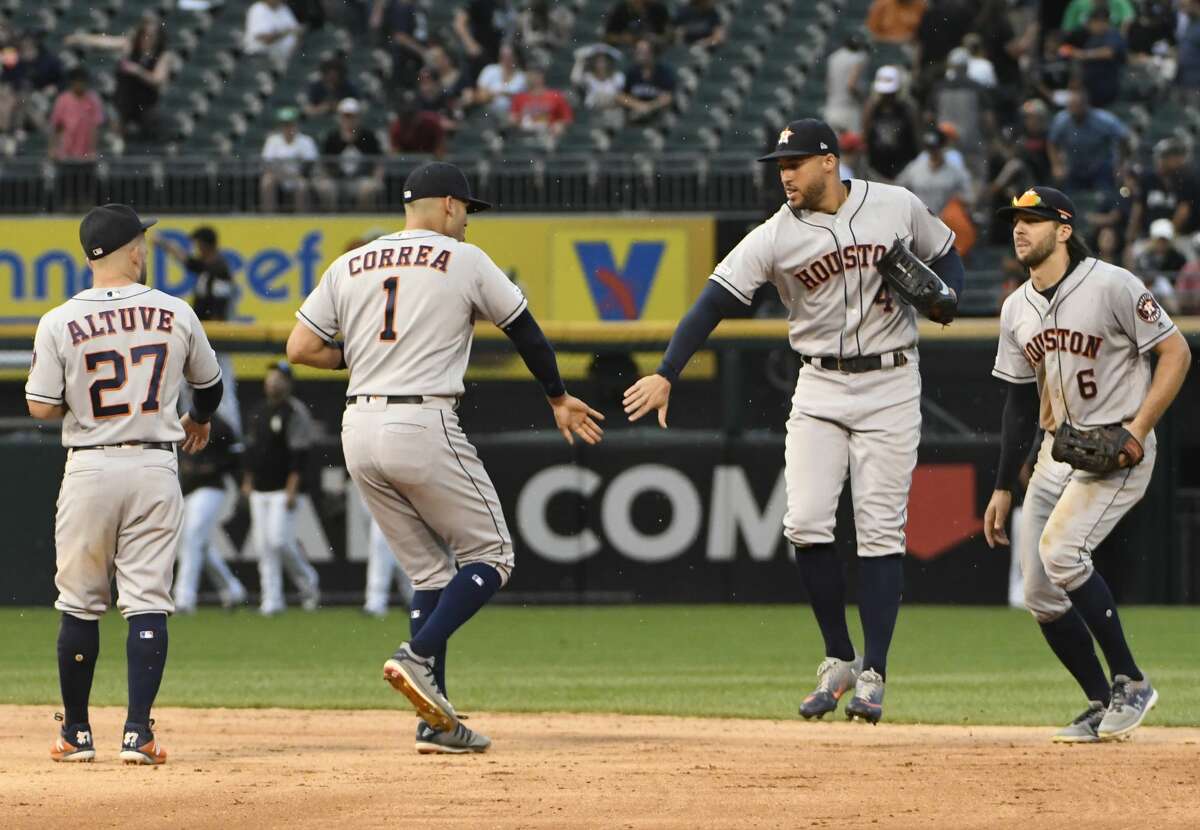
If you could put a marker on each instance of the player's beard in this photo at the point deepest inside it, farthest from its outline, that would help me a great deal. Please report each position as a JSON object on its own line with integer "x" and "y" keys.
{"x": 143, "y": 273}
{"x": 811, "y": 196}
{"x": 1038, "y": 253}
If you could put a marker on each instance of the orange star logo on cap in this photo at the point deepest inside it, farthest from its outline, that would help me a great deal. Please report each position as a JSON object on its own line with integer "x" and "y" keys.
{"x": 785, "y": 135}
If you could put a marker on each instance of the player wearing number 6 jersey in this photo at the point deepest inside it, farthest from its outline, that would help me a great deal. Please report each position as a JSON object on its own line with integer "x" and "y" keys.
{"x": 110, "y": 362}
{"x": 857, "y": 409}
{"x": 1074, "y": 349}
{"x": 405, "y": 305}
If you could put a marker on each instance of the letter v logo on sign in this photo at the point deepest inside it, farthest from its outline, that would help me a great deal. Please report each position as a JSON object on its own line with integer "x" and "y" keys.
{"x": 620, "y": 294}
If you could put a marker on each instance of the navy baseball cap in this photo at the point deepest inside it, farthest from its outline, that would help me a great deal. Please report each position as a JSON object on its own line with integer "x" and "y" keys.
{"x": 806, "y": 137}
{"x": 1045, "y": 202}
{"x": 106, "y": 228}
{"x": 281, "y": 366}
{"x": 437, "y": 178}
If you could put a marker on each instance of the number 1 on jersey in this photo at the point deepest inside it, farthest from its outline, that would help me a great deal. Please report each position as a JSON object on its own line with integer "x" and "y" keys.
{"x": 390, "y": 287}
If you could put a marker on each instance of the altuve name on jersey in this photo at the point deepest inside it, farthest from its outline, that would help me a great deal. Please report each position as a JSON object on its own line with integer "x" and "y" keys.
{"x": 402, "y": 256}
{"x": 115, "y": 320}
{"x": 1062, "y": 340}
{"x": 820, "y": 270}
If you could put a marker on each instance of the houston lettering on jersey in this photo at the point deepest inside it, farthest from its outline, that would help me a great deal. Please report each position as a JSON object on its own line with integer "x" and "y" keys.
{"x": 1062, "y": 340}
{"x": 818, "y": 272}
{"x": 114, "y": 320}
{"x": 402, "y": 256}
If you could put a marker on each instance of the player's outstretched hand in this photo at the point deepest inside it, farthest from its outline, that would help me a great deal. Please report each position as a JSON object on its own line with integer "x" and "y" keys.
{"x": 652, "y": 392}
{"x": 996, "y": 517}
{"x": 196, "y": 437}
{"x": 574, "y": 417}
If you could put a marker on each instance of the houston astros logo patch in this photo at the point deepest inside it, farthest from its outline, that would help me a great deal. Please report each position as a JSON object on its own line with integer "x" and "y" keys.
{"x": 1148, "y": 308}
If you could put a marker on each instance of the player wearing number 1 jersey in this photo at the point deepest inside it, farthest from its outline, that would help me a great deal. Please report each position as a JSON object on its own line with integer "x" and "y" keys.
{"x": 405, "y": 306}
{"x": 110, "y": 362}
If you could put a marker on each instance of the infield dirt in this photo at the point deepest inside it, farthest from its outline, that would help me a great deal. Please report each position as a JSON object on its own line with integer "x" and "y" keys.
{"x": 302, "y": 768}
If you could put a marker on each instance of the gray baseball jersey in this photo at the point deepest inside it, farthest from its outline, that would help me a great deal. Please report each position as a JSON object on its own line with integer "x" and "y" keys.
{"x": 824, "y": 269}
{"x": 405, "y": 305}
{"x": 1086, "y": 347}
{"x": 116, "y": 357}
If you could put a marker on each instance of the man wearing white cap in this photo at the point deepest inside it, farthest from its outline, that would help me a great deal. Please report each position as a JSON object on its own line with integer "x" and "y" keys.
{"x": 353, "y": 161}
{"x": 891, "y": 124}
{"x": 1157, "y": 260}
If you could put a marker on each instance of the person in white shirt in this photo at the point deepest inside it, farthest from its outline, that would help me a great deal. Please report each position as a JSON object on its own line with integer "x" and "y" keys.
{"x": 271, "y": 30}
{"x": 599, "y": 82}
{"x": 498, "y": 82}
{"x": 286, "y": 155}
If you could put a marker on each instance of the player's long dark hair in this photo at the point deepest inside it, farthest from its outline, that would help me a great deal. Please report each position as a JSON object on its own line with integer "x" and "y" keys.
{"x": 1077, "y": 249}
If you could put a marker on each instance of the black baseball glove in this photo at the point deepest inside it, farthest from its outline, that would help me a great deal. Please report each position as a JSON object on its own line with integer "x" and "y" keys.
{"x": 916, "y": 282}
{"x": 1100, "y": 450}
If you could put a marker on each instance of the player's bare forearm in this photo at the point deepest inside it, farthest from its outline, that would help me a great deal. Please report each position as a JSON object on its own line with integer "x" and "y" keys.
{"x": 305, "y": 348}
{"x": 46, "y": 411}
{"x": 1174, "y": 360}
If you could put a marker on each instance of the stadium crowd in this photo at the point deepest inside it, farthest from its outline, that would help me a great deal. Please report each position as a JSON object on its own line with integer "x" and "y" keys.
{"x": 966, "y": 102}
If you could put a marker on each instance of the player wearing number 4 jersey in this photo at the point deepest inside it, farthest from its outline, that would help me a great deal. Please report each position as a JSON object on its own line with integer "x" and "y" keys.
{"x": 1074, "y": 349}
{"x": 110, "y": 362}
{"x": 405, "y": 305}
{"x": 857, "y": 407}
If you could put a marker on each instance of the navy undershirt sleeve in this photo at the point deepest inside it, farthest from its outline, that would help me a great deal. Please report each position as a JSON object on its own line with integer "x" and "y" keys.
{"x": 713, "y": 305}
{"x": 1017, "y": 431}
{"x": 950, "y": 269}
{"x": 205, "y": 402}
{"x": 537, "y": 353}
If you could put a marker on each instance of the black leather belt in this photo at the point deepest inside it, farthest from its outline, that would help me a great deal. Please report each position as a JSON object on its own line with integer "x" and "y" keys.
{"x": 854, "y": 365}
{"x": 156, "y": 445}
{"x": 409, "y": 399}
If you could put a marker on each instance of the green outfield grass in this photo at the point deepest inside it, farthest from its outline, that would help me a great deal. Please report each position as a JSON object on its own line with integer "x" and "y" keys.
{"x": 948, "y": 665}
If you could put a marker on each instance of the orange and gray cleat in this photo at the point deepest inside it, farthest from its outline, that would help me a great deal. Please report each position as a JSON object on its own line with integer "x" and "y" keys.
{"x": 139, "y": 745}
{"x": 74, "y": 742}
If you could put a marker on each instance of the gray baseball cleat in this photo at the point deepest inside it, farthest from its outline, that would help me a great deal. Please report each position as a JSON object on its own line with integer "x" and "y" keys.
{"x": 1085, "y": 728}
{"x": 458, "y": 741}
{"x": 834, "y": 678}
{"x": 1132, "y": 700}
{"x": 412, "y": 676}
{"x": 867, "y": 703}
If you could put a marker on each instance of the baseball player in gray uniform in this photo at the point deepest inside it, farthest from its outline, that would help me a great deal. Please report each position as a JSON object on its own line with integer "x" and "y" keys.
{"x": 110, "y": 362}
{"x": 1074, "y": 350}
{"x": 857, "y": 405}
{"x": 405, "y": 305}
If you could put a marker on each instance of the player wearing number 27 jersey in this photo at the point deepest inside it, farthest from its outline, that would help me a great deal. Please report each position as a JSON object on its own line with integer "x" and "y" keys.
{"x": 110, "y": 362}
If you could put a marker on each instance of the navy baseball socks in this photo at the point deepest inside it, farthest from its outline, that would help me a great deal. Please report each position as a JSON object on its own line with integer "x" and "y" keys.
{"x": 146, "y": 655}
{"x": 1071, "y": 642}
{"x": 466, "y": 593}
{"x": 420, "y": 609}
{"x": 881, "y": 584}
{"x": 1099, "y": 610}
{"x": 823, "y": 576}
{"x": 78, "y": 648}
